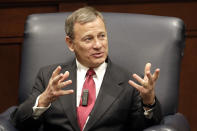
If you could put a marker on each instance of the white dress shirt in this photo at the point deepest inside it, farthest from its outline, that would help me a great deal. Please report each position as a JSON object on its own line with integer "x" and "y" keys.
{"x": 81, "y": 76}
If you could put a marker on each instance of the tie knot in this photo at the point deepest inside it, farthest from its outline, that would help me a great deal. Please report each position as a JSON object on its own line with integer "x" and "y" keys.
{"x": 90, "y": 72}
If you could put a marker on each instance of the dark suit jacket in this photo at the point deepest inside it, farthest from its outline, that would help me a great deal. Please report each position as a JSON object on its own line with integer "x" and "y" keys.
{"x": 117, "y": 108}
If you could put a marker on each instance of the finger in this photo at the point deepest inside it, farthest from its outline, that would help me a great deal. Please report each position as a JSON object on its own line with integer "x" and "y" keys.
{"x": 56, "y": 94}
{"x": 149, "y": 76}
{"x": 64, "y": 84}
{"x": 65, "y": 76}
{"x": 138, "y": 78}
{"x": 56, "y": 72}
{"x": 156, "y": 74}
{"x": 56, "y": 79}
{"x": 64, "y": 92}
{"x": 147, "y": 68}
{"x": 138, "y": 87}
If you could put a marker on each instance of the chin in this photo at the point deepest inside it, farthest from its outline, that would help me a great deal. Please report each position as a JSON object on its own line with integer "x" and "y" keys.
{"x": 97, "y": 63}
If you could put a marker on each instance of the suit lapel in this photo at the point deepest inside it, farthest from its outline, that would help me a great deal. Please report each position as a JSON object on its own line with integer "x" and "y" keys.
{"x": 109, "y": 92}
{"x": 69, "y": 101}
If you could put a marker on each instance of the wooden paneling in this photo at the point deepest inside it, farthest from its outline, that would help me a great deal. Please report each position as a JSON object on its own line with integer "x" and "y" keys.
{"x": 65, "y": 7}
{"x": 34, "y": 1}
{"x": 11, "y": 40}
{"x": 9, "y": 78}
{"x": 109, "y": 2}
{"x": 12, "y": 20}
{"x": 91, "y": 1}
{"x": 188, "y": 85}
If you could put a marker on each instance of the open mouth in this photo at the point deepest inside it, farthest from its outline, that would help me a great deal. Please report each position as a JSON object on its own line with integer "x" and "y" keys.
{"x": 98, "y": 55}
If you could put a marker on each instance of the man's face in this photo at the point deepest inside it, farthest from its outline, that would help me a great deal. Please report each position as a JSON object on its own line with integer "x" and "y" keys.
{"x": 90, "y": 43}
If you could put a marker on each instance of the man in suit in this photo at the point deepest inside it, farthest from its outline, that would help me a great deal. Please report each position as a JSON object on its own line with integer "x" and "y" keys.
{"x": 90, "y": 92}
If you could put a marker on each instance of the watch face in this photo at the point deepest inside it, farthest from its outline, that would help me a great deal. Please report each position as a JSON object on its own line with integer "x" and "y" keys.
{"x": 148, "y": 113}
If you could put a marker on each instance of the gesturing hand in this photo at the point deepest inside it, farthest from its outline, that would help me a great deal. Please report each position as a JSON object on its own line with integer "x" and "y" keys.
{"x": 147, "y": 86}
{"x": 54, "y": 88}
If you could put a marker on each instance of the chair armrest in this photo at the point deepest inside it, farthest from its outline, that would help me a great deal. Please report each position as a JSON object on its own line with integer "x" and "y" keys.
{"x": 5, "y": 124}
{"x": 161, "y": 128}
{"x": 176, "y": 122}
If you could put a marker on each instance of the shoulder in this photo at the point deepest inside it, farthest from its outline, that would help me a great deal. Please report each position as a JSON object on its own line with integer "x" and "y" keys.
{"x": 120, "y": 75}
{"x": 119, "y": 72}
{"x": 46, "y": 71}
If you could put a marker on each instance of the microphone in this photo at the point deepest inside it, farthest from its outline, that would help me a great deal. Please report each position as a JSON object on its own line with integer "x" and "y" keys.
{"x": 85, "y": 97}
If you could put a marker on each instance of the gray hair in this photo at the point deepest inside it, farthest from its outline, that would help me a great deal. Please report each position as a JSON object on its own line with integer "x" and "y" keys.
{"x": 82, "y": 15}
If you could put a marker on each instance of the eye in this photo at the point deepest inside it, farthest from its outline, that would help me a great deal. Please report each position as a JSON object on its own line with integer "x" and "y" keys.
{"x": 88, "y": 39}
{"x": 102, "y": 35}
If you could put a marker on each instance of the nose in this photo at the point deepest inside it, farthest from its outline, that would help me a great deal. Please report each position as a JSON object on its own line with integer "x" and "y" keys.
{"x": 97, "y": 44}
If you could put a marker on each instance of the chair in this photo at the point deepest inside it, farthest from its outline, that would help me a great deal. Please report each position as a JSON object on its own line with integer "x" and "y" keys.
{"x": 134, "y": 40}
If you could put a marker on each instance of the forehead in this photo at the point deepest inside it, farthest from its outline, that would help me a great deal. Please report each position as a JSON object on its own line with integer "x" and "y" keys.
{"x": 95, "y": 25}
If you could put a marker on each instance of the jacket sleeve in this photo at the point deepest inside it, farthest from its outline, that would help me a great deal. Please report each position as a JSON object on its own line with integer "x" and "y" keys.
{"x": 22, "y": 117}
{"x": 137, "y": 120}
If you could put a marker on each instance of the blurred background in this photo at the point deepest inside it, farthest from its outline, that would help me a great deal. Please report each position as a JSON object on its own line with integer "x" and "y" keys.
{"x": 13, "y": 14}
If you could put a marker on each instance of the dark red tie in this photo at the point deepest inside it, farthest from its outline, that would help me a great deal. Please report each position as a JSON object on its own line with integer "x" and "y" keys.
{"x": 84, "y": 111}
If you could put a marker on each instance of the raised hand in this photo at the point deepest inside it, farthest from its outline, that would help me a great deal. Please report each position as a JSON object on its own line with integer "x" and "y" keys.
{"x": 147, "y": 84}
{"x": 54, "y": 88}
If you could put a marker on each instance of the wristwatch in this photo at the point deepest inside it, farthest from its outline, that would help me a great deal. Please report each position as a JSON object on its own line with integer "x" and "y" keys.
{"x": 148, "y": 113}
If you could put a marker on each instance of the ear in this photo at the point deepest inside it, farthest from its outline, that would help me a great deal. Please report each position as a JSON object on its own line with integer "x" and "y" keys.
{"x": 69, "y": 43}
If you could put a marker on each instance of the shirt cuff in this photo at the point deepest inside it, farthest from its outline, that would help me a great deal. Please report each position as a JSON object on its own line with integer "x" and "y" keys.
{"x": 38, "y": 111}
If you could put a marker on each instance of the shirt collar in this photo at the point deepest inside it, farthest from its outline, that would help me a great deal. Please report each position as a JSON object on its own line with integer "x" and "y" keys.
{"x": 98, "y": 71}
